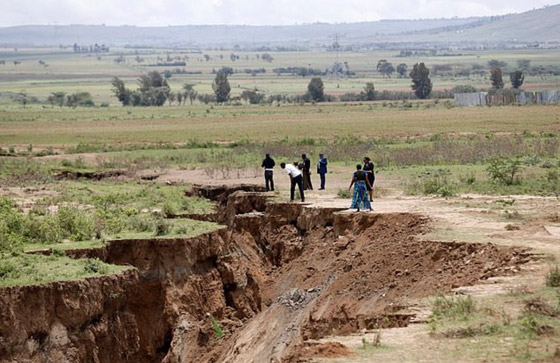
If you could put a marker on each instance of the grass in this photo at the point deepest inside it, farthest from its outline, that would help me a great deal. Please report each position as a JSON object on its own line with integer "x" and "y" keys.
{"x": 90, "y": 213}
{"x": 264, "y": 123}
{"x": 147, "y": 196}
{"x": 27, "y": 269}
{"x": 218, "y": 331}
{"x": 453, "y": 307}
{"x": 482, "y": 330}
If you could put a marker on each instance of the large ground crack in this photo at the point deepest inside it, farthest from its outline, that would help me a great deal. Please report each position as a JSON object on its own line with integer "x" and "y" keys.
{"x": 277, "y": 275}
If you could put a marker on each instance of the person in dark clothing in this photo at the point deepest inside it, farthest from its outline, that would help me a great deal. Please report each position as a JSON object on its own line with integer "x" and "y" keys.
{"x": 322, "y": 170}
{"x": 307, "y": 185}
{"x": 369, "y": 168}
{"x": 268, "y": 166}
{"x": 295, "y": 178}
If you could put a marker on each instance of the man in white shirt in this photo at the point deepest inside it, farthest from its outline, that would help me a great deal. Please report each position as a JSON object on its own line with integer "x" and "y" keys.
{"x": 295, "y": 178}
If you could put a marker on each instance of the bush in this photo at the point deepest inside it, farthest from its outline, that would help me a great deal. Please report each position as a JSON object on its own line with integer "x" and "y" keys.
{"x": 94, "y": 265}
{"x": 505, "y": 171}
{"x": 6, "y": 267}
{"x": 433, "y": 183}
{"x": 553, "y": 277}
{"x": 453, "y": 307}
{"x": 75, "y": 224}
{"x": 344, "y": 193}
{"x": 168, "y": 209}
{"x": 162, "y": 227}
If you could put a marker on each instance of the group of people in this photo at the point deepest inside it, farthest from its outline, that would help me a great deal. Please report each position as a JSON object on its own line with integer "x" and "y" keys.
{"x": 300, "y": 175}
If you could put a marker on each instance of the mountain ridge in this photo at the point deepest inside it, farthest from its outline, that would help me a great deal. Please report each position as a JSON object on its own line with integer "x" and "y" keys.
{"x": 531, "y": 26}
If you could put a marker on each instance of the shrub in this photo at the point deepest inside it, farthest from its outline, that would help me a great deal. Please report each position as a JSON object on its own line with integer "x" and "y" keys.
{"x": 162, "y": 227}
{"x": 75, "y": 224}
{"x": 43, "y": 229}
{"x": 469, "y": 179}
{"x": 453, "y": 307}
{"x": 344, "y": 193}
{"x": 433, "y": 183}
{"x": 505, "y": 170}
{"x": 6, "y": 267}
{"x": 553, "y": 277}
{"x": 168, "y": 209}
{"x": 94, "y": 265}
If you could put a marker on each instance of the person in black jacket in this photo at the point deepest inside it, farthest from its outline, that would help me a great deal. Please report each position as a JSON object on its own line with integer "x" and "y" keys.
{"x": 306, "y": 172}
{"x": 268, "y": 166}
{"x": 369, "y": 168}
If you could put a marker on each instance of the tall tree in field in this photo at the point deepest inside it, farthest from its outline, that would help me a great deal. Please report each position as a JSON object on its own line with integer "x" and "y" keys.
{"x": 496, "y": 78}
{"x": 385, "y": 68}
{"x": 369, "y": 92}
{"x": 516, "y": 79}
{"x": 171, "y": 98}
{"x": 153, "y": 89}
{"x": 221, "y": 87}
{"x": 120, "y": 91}
{"x": 421, "y": 82}
{"x": 190, "y": 92}
{"x": 57, "y": 98}
{"x": 316, "y": 89}
{"x": 402, "y": 70}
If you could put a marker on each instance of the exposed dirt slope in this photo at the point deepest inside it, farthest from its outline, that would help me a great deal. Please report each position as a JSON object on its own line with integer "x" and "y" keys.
{"x": 279, "y": 275}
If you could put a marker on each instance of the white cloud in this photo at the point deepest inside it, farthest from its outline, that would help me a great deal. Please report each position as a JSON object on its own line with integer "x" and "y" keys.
{"x": 254, "y": 12}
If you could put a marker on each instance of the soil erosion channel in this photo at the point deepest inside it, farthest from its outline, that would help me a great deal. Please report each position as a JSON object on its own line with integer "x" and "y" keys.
{"x": 277, "y": 277}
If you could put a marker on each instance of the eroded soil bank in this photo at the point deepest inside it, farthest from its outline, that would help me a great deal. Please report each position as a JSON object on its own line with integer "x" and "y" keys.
{"x": 278, "y": 275}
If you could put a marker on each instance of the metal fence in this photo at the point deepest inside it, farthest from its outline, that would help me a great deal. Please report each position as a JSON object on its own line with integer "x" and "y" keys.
{"x": 521, "y": 98}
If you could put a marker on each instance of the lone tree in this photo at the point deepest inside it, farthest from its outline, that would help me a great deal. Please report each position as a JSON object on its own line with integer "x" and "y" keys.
{"x": 496, "y": 78}
{"x": 190, "y": 92}
{"x": 421, "y": 82}
{"x": 402, "y": 69}
{"x": 153, "y": 90}
{"x": 315, "y": 89}
{"x": 385, "y": 68}
{"x": 121, "y": 92}
{"x": 369, "y": 92}
{"x": 221, "y": 87}
{"x": 516, "y": 79}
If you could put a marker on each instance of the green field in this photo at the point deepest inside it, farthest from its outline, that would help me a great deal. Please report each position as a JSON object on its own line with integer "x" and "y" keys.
{"x": 69, "y": 72}
{"x": 54, "y": 126}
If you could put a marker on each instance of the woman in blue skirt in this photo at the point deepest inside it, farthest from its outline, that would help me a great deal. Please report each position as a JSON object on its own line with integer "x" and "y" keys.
{"x": 360, "y": 199}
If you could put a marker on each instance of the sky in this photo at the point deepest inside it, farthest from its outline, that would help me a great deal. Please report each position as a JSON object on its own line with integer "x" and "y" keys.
{"x": 249, "y": 12}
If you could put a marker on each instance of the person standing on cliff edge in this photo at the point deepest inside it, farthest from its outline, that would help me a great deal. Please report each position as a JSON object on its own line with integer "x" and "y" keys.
{"x": 322, "y": 170}
{"x": 306, "y": 172}
{"x": 268, "y": 166}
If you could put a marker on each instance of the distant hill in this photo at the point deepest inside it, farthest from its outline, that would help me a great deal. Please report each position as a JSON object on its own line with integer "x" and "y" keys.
{"x": 537, "y": 25}
{"x": 211, "y": 34}
{"x": 540, "y": 25}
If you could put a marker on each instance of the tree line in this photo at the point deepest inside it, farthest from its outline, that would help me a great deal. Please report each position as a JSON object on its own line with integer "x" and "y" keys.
{"x": 153, "y": 90}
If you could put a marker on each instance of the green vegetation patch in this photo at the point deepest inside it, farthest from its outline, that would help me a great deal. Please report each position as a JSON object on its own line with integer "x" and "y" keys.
{"x": 481, "y": 329}
{"x": 25, "y": 269}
